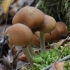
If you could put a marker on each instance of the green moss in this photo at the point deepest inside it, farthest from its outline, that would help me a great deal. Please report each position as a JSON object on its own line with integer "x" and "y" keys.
{"x": 67, "y": 65}
{"x": 46, "y": 58}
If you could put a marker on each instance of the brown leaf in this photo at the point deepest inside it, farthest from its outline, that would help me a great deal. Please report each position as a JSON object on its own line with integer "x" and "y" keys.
{"x": 61, "y": 42}
{"x": 58, "y": 66}
{"x": 22, "y": 58}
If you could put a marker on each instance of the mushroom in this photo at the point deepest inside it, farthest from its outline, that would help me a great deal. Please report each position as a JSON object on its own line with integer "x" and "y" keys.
{"x": 48, "y": 25}
{"x": 20, "y": 35}
{"x": 54, "y": 36}
{"x": 30, "y": 16}
{"x": 62, "y": 28}
{"x": 36, "y": 41}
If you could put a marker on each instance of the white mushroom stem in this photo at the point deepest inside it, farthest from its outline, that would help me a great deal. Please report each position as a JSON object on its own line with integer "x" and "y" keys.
{"x": 31, "y": 50}
{"x": 42, "y": 41}
{"x": 28, "y": 55}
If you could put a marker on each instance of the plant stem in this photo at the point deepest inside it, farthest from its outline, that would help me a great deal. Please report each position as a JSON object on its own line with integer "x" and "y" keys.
{"x": 28, "y": 55}
{"x": 31, "y": 50}
{"x": 42, "y": 41}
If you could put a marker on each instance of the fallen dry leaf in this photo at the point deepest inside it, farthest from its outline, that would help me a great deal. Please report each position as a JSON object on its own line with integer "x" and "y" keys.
{"x": 61, "y": 42}
{"x": 58, "y": 66}
{"x": 22, "y": 58}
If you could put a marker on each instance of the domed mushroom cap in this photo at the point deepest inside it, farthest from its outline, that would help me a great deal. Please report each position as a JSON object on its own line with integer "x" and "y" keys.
{"x": 53, "y": 36}
{"x": 62, "y": 28}
{"x": 30, "y": 16}
{"x": 50, "y": 37}
{"x": 19, "y": 34}
{"x": 48, "y": 25}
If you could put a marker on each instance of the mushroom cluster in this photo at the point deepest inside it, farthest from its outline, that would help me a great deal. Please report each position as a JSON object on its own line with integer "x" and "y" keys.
{"x": 20, "y": 33}
{"x": 31, "y": 17}
{"x": 27, "y": 21}
{"x": 56, "y": 34}
{"x": 36, "y": 20}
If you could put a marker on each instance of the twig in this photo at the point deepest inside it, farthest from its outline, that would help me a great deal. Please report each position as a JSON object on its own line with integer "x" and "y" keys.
{"x": 17, "y": 55}
{"x": 14, "y": 59}
{"x": 63, "y": 59}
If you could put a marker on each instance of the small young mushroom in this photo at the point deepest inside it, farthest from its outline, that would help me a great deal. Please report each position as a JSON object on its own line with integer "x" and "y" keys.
{"x": 62, "y": 28}
{"x": 54, "y": 36}
{"x": 48, "y": 25}
{"x": 20, "y": 35}
{"x": 30, "y": 16}
{"x": 36, "y": 41}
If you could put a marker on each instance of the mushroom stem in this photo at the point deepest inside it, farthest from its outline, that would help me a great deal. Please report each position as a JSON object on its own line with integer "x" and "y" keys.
{"x": 28, "y": 55}
{"x": 31, "y": 50}
{"x": 42, "y": 41}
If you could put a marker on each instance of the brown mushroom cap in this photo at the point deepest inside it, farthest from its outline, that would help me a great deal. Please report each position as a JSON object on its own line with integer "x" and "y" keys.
{"x": 48, "y": 25}
{"x": 19, "y": 34}
{"x": 62, "y": 28}
{"x": 30, "y": 16}
{"x": 35, "y": 41}
{"x": 50, "y": 37}
{"x": 53, "y": 36}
